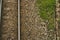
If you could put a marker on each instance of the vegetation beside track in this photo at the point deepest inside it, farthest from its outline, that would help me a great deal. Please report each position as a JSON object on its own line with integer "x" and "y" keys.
{"x": 47, "y": 11}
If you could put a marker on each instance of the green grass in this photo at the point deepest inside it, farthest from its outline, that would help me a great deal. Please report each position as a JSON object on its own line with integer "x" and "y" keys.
{"x": 47, "y": 11}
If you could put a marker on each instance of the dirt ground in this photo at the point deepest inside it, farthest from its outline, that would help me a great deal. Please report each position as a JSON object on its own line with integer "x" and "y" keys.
{"x": 33, "y": 27}
{"x": 9, "y": 20}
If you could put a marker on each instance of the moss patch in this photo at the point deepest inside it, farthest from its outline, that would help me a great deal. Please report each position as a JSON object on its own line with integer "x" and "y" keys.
{"x": 47, "y": 11}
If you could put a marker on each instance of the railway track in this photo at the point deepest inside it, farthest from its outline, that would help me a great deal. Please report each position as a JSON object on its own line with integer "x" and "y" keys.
{"x": 33, "y": 26}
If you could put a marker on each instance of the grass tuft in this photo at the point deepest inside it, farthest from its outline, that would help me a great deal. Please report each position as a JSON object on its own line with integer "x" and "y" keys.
{"x": 47, "y": 11}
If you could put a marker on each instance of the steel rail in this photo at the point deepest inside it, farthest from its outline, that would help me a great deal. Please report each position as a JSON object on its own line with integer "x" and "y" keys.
{"x": 18, "y": 19}
{"x": 0, "y": 10}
